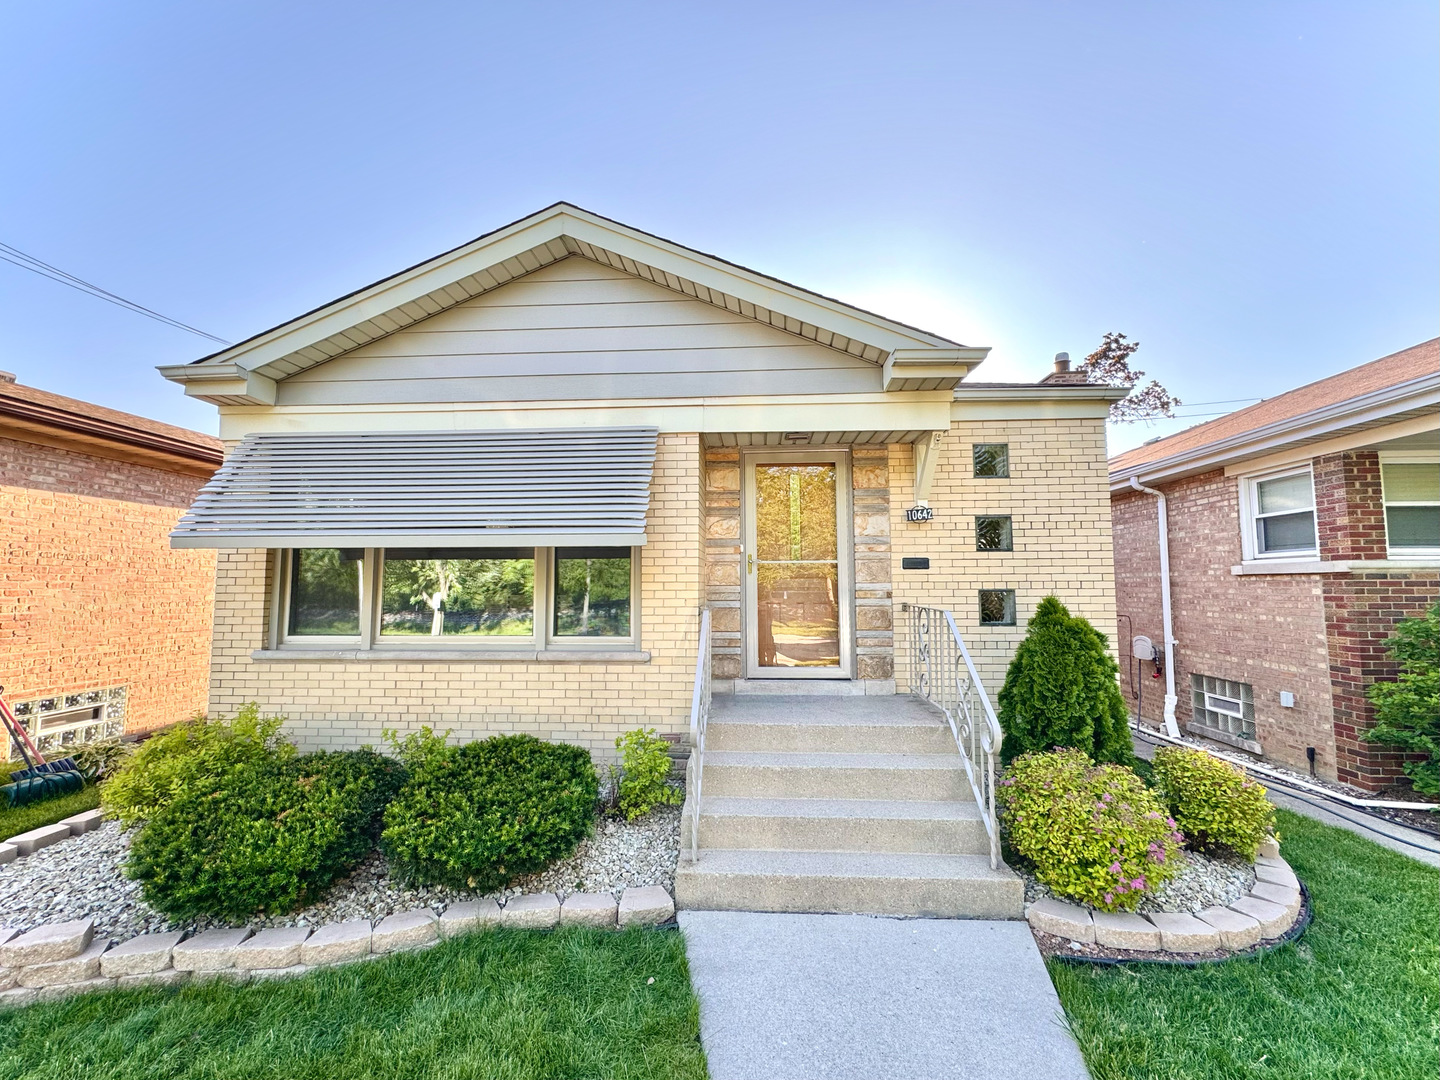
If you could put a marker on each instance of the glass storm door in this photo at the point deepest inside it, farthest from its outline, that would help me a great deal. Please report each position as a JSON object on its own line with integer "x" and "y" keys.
{"x": 797, "y": 566}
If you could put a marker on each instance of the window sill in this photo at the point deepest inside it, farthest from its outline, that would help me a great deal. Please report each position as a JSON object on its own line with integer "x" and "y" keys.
{"x": 449, "y": 656}
{"x": 1316, "y": 566}
{"x": 1250, "y": 746}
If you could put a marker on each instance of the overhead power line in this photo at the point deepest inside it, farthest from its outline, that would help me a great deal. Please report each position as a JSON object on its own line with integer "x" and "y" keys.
{"x": 18, "y": 258}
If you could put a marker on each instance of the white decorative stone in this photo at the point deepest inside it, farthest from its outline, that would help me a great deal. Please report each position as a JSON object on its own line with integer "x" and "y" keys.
{"x": 61, "y": 991}
{"x": 1125, "y": 930}
{"x": 8, "y": 852}
{"x": 1061, "y": 919}
{"x": 337, "y": 943}
{"x": 1274, "y": 920}
{"x": 405, "y": 930}
{"x": 210, "y": 951}
{"x": 1182, "y": 932}
{"x": 1237, "y": 930}
{"x": 467, "y": 916}
{"x": 1286, "y": 896}
{"x": 27, "y": 843}
{"x": 533, "y": 911}
{"x": 73, "y": 969}
{"x": 58, "y": 941}
{"x": 588, "y": 909}
{"x": 140, "y": 956}
{"x": 167, "y": 977}
{"x": 275, "y": 948}
{"x": 647, "y": 905}
{"x": 84, "y": 822}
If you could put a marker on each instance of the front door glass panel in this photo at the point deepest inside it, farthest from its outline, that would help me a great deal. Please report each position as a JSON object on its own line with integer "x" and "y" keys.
{"x": 797, "y": 570}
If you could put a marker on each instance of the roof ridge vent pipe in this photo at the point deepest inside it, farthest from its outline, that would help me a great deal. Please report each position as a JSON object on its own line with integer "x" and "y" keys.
{"x": 1171, "y": 727}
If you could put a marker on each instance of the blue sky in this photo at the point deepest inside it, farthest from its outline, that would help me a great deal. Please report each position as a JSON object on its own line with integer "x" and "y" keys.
{"x": 1247, "y": 189}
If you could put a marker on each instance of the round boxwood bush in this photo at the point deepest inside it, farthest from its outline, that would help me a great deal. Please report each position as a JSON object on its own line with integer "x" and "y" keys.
{"x": 1094, "y": 833}
{"x": 242, "y": 834}
{"x": 1215, "y": 803}
{"x": 480, "y": 815}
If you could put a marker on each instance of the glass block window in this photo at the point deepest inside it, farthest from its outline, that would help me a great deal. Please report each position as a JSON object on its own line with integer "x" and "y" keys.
{"x": 997, "y": 607}
{"x": 994, "y": 533}
{"x": 992, "y": 459}
{"x": 1223, "y": 705}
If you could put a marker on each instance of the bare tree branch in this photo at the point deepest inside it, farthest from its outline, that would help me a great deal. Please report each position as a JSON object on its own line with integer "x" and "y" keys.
{"x": 1109, "y": 365}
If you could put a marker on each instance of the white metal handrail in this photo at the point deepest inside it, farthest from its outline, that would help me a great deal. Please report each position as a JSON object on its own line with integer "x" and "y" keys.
{"x": 942, "y": 673}
{"x": 699, "y": 717}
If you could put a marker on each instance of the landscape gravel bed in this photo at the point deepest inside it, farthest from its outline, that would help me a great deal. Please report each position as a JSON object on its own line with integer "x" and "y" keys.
{"x": 1203, "y": 881}
{"x": 84, "y": 878}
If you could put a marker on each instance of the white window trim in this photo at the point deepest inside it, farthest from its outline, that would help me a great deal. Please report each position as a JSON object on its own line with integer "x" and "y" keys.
{"x": 542, "y": 643}
{"x": 1405, "y": 457}
{"x": 1249, "y": 505}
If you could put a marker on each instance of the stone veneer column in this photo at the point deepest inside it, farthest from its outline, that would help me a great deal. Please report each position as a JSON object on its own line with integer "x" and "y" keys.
{"x": 874, "y": 618}
{"x": 722, "y": 559}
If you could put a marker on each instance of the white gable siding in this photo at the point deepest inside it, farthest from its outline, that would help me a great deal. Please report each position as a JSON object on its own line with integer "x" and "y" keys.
{"x": 578, "y": 330}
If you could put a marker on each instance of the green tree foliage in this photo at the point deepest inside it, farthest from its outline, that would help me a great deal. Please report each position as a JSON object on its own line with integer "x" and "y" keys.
{"x": 1060, "y": 690}
{"x": 1407, "y": 711}
{"x": 645, "y": 766}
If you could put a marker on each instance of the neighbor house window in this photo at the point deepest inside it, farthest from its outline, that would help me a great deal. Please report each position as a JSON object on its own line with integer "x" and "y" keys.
{"x": 994, "y": 534}
{"x": 458, "y": 592}
{"x": 1412, "y": 506}
{"x": 991, "y": 459}
{"x": 1281, "y": 515}
{"x": 1225, "y": 706}
{"x": 592, "y": 592}
{"x": 324, "y": 593}
{"x": 997, "y": 607}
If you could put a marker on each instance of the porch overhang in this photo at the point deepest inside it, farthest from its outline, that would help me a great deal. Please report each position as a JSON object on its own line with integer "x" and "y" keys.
{"x": 555, "y": 487}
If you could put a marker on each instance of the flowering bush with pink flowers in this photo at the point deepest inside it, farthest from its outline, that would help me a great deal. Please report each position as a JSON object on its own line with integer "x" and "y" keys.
{"x": 1095, "y": 833}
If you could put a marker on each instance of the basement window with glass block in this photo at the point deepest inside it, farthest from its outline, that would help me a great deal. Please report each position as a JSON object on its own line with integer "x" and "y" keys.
{"x": 992, "y": 460}
{"x": 993, "y": 533}
{"x": 1225, "y": 706}
{"x": 997, "y": 607}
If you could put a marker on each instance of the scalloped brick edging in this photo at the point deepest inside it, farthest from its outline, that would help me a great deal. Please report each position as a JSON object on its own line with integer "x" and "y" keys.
{"x": 59, "y": 959}
{"x": 1268, "y": 912}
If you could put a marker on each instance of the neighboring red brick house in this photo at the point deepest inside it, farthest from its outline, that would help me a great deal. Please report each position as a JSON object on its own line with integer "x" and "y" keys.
{"x": 103, "y": 627}
{"x": 1300, "y": 531}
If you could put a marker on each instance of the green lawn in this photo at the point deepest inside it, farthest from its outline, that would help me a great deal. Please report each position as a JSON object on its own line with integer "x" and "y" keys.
{"x": 568, "y": 1004}
{"x": 1357, "y": 996}
{"x": 24, "y": 818}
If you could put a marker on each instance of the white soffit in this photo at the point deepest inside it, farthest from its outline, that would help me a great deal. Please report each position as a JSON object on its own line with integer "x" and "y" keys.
{"x": 564, "y": 487}
{"x": 518, "y": 249}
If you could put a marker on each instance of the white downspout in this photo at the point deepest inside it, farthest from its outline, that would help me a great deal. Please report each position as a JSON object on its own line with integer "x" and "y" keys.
{"x": 1171, "y": 727}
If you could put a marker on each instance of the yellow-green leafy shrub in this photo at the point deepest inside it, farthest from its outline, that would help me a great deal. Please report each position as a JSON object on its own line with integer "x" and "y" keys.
{"x": 1095, "y": 833}
{"x": 1215, "y": 803}
{"x": 644, "y": 767}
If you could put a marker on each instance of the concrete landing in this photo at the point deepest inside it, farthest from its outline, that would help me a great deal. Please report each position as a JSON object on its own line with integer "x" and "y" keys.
{"x": 855, "y": 997}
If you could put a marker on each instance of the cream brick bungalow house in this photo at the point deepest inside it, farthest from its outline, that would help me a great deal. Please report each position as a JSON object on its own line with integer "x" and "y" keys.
{"x": 494, "y": 492}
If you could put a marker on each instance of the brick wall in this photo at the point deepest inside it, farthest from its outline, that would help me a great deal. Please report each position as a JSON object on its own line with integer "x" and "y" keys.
{"x": 94, "y": 596}
{"x": 1349, "y": 509}
{"x": 1058, "y": 497}
{"x": 347, "y": 704}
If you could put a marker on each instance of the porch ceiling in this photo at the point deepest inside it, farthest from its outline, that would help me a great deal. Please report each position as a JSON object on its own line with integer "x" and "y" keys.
{"x": 812, "y": 438}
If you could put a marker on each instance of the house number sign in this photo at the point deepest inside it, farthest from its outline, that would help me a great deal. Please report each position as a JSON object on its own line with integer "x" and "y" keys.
{"x": 920, "y": 513}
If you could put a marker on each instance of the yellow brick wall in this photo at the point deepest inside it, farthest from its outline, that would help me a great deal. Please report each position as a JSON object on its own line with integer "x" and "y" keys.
{"x": 1059, "y": 499}
{"x": 347, "y": 704}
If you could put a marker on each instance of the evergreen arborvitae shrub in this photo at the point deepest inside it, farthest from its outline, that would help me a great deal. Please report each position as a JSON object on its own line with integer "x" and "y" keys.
{"x": 480, "y": 815}
{"x": 1060, "y": 691}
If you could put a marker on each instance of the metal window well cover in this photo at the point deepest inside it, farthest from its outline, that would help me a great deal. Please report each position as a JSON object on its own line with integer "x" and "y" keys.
{"x": 572, "y": 486}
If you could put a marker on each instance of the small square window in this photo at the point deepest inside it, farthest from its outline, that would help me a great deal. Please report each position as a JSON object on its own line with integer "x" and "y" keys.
{"x": 994, "y": 534}
{"x": 997, "y": 607}
{"x": 992, "y": 459}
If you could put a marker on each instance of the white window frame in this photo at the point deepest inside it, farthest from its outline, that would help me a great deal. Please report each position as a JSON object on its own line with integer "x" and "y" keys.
{"x": 1250, "y": 516}
{"x": 542, "y": 639}
{"x": 1405, "y": 457}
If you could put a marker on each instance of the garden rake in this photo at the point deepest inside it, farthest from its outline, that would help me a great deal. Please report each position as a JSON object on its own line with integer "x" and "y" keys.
{"x": 40, "y": 779}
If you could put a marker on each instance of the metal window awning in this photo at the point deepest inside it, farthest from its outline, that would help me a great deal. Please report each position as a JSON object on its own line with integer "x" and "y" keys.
{"x": 573, "y": 486}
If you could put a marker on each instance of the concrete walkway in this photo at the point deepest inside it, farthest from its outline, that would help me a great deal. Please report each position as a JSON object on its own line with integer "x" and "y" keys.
{"x": 836, "y": 997}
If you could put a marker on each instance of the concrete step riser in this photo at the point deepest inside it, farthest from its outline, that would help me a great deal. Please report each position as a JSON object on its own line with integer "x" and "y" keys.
{"x": 953, "y": 898}
{"x": 930, "y": 836}
{"x": 829, "y": 738}
{"x": 820, "y": 782}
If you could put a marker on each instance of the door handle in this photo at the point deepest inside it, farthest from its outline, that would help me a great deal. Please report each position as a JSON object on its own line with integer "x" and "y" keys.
{"x": 750, "y": 563}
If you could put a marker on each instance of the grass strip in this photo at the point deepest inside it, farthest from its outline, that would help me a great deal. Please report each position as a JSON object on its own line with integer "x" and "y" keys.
{"x": 19, "y": 819}
{"x": 1357, "y": 996}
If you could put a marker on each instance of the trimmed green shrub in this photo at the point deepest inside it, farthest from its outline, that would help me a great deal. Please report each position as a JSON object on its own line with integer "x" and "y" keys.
{"x": 1094, "y": 833}
{"x": 244, "y": 833}
{"x": 1214, "y": 803}
{"x": 645, "y": 766}
{"x": 1407, "y": 711}
{"x": 480, "y": 815}
{"x": 148, "y": 777}
{"x": 1060, "y": 691}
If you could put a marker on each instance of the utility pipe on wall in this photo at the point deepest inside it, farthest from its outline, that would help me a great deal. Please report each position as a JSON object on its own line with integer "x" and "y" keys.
{"x": 1171, "y": 727}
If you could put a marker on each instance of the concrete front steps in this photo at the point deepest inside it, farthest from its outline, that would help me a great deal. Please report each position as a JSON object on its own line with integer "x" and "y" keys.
{"x": 839, "y": 804}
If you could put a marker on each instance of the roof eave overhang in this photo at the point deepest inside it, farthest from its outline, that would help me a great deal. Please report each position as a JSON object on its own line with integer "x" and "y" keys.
{"x": 479, "y": 539}
{"x": 1389, "y": 405}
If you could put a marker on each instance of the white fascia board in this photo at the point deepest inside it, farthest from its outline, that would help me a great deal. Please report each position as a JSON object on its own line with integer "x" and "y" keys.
{"x": 1037, "y": 402}
{"x": 247, "y": 541}
{"x": 1271, "y": 439}
{"x": 906, "y": 366}
{"x": 1367, "y": 437}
